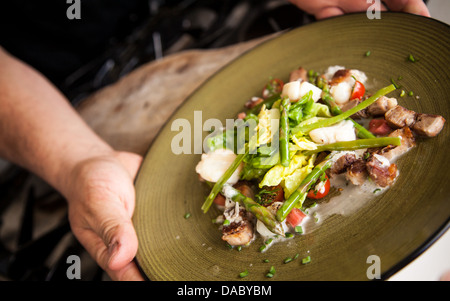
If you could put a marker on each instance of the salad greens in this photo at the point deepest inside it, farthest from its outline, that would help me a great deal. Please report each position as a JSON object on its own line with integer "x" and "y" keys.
{"x": 279, "y": 151}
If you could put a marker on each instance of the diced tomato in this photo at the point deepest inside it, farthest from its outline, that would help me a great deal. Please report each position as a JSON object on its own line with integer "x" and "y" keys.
{"x": 379, "y": 127}
{"x": 358, "y": 90}
{"x": 295, "y": 217}
{"x": 274, "y": 86}
{"x": 219, "y": 200}
{"x": 314, "y": 194}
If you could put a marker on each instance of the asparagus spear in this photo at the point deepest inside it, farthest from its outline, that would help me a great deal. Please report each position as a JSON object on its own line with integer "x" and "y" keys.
{"x": 284, "y": 132}
{"x": 361, "y": 131}
{"x": 259, "y": 211}
{"x": 223, "y": 179}
{"x": 356, "y": 144}
{"x": 330, "y": 121}
{"x": 300, "y": 193}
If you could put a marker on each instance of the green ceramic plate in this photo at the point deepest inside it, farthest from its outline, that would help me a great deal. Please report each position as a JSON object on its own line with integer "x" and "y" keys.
{"x": 396, "y": 226}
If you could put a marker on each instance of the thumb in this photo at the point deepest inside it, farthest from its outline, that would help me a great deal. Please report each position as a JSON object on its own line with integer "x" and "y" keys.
{"x": 108, "y": 235}
{"x": 122, "y": 244}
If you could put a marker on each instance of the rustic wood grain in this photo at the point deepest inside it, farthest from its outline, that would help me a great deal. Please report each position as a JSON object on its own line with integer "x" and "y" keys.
{"x": 129, "y": 113}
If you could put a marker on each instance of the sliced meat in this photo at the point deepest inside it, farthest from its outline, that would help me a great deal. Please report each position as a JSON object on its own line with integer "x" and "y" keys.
{"x": 350, "y": 105}
{"x": 238, "y": 234}
{"x": 342, "y": 163}
{"x": 381, "y": 171}
{"x": 245, "y": 189}
{"x": 253, "y": 102}
{"x": 428, "y": 125}
{"x": 240, "y": 229}
{"x": 298, "y": 74}
{"x": 357, "y": 172}
{"x": 340, "y": 76}
{"x": 381, "y": 106}
{"x": 391, "y": 152}
{"x": 399, "y": 117}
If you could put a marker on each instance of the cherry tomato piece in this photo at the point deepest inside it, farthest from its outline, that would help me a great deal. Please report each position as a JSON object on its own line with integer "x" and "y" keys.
{"x": 323, "y": 190}
{"x": 295, "y": 217}
{"x": 358, "y": 90}
{"x": 379, "y": 127}
{"x": 274, "y": 86}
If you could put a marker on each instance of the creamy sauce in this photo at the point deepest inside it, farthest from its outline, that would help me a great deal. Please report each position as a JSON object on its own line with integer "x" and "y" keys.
{"x": 351, "y": 199}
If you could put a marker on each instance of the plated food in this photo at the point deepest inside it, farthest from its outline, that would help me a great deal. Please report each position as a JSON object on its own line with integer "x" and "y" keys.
{"x": 396, "y": 224}
{"x": 299, "y": 139}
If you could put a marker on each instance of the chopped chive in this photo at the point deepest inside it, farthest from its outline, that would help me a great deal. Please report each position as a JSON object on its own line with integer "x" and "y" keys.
{"x": 288, "y": 235}
{"x": 287, "y": 260}
{"x": 403, "y": 93}
{"x": 410, "y": 93}
{"x": 262, "y": 248}
{"x": 368, "y": 53}
{"x": 296, "y": 256}
{"x": 400, "y": 77}
{"x": 376, "y": 190}
{"x": 266, "y": 260}
{"x": 394, "y": 83}
{"x": 226, "y": 222}
{"x": 239, "y": 248}
{"x": 243, "y": 274}
{"x": 411, "y": 58}
{"x": 306, "y": 260}
{"x": 271, "y": 272}
{"x": 187, "y": 215}
{"x": 269, "y": 241}
{"x": 298, "y": 229}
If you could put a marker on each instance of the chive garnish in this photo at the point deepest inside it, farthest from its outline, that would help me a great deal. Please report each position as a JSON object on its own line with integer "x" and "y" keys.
{"x": 394, "y": 83}
{"x": 306, "y": 260}
{"x": 368, "y": 53}
{"x": 298, "y": 229}
{"x": 243, "y": 274}
{"x": 287, "y": 260}
{"x": 226, "y": 222}
{"x": 187, "y": 215}
{"x": 411, "y": 58}
{"x": 271, "y": 272}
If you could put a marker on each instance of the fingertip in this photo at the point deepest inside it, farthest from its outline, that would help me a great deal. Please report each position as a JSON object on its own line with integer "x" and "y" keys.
{"x": 329, "y": 12}
{"x": 123, "y": 248}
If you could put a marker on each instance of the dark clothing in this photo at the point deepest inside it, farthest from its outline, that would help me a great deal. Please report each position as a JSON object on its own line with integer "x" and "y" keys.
{"x": 41, "y": 34}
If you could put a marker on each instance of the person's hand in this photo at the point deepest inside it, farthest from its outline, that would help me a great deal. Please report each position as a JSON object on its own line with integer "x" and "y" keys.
{"x": 322, "y": 9}
{"x": 101, "y": 201}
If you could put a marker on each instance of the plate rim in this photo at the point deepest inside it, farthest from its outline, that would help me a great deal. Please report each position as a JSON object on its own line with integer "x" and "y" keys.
{"x": 443, "y": 229}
